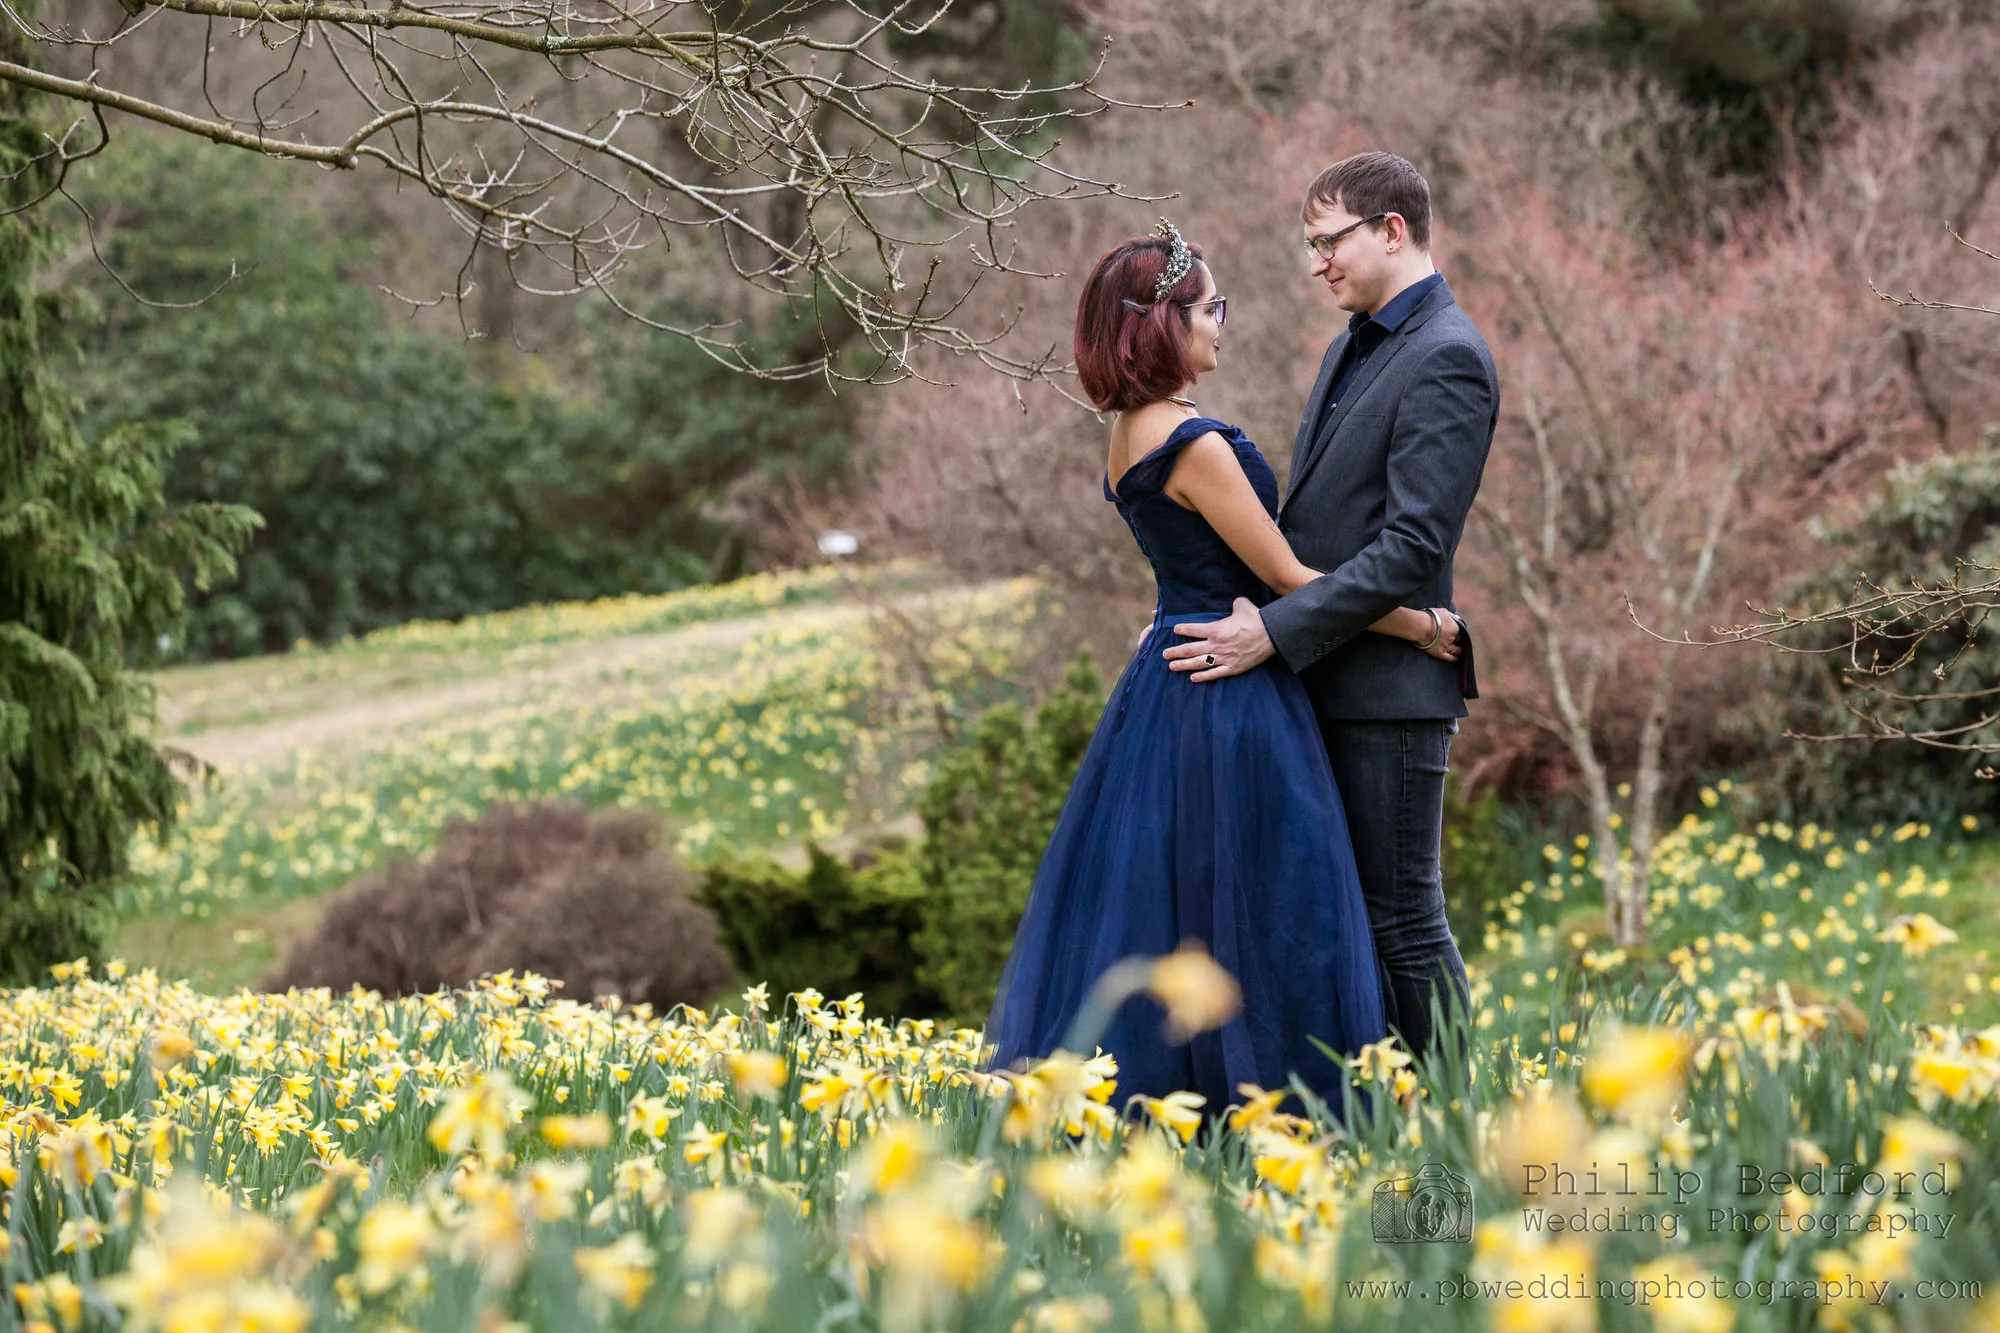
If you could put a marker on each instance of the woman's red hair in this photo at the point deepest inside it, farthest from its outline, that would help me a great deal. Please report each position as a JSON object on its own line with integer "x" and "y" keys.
{"x": 1127, "y": 358}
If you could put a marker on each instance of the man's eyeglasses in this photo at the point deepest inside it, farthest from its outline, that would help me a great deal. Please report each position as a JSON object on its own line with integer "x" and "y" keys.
{"x": 1324, "y": 246}
{"x": 1221, "y": 304}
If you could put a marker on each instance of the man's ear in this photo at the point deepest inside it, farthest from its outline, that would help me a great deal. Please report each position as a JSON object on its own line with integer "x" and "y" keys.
{"x": 1399, "y": 232}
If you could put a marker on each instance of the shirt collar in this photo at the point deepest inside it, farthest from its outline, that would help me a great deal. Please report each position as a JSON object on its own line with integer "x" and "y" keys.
{"x": 1400, "y": 306}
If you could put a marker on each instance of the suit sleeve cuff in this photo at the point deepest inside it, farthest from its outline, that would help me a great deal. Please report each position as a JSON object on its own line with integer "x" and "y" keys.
{"x": 1287, "y": 621}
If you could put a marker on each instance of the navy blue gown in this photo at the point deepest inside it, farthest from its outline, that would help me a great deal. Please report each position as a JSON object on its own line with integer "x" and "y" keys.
{"x": 1207, "y": 812}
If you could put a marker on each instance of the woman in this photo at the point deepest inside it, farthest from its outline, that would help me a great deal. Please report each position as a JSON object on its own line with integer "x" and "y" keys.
{"x": 1209, "y": 812}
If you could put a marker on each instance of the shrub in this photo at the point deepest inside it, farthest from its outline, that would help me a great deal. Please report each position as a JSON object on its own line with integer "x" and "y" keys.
{"x": 1927, "y": 516}
{"x": 838, "y": 926}
{"x": 921, "y": 930}
{"x": 1487, "y": 853}
{"x": 926, "y": 928}
{"x": 988, "y": 815}
{"x": 587, "y": 898}
{"x": 611, "y": 924}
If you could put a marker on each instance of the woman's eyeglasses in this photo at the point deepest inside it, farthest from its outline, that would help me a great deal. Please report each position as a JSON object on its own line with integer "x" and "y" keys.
{"x": 1324, "y": 246}
{"x": 1221, "y": 304}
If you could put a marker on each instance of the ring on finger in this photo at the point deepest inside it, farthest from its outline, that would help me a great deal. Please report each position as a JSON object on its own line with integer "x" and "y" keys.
{"x": 1209, "y": 660}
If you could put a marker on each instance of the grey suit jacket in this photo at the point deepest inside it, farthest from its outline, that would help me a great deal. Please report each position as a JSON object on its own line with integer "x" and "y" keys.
{"x": 1377, "y": 499}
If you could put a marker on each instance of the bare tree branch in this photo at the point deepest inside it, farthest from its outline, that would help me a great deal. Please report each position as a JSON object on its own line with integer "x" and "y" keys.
{"x": 1912, "y": 300}
{"x": 1881, "y": 631}
{"x": 834, "y": 176}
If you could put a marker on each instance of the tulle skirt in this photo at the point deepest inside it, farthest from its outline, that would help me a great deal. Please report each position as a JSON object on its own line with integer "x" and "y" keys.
{"x": 1202, "y": 812}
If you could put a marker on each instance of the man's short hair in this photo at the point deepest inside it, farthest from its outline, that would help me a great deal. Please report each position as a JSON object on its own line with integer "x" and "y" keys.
{"x": 1371, "y": 183}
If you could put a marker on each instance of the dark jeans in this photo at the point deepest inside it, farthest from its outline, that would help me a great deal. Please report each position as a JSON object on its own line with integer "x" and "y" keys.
{"x": 1391, "y": 780}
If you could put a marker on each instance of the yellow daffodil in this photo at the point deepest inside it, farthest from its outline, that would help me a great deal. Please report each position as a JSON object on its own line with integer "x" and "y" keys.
{"x": 581, "y": 1132}
{"x": 622, "y": 1270}
{"x": 1178, "y": 1112}
{"x": 551, "y": 1188}
{"x": 757, "y": 1073}
{"x": 1071, "y": 1183}
{"x": 169, "y": 1047}
{"x": 718, "y": 1219}
{"x": 1636, "y": 1072}
{"x": 395, "y": 1237}
{"x": 1912, "y": 1145}
{"x": 1918, "y": 933}
{"x": 1198, "y": 995}
{"x": 892, "y": 1156}
{"x": 1669, "y": 1279}
{"x": 650, "y": 1116}
{"x": 831, "y": 1091}
{"x": 479, "y": 1116}
{"x": 1288, "y": 1163}
{"x": 702, "y": 1144}
{"x": 1257, "y": 1108}
{"x": 1544, "y": 1275}
{"x": 1380, "y": 1060}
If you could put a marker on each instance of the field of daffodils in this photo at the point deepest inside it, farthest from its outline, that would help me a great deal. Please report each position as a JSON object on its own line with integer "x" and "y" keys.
{"x": 1751, "y": 1128}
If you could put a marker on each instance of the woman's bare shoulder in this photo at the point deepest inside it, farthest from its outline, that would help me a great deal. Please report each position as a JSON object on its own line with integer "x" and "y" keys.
{"x": 1207, "y": 461}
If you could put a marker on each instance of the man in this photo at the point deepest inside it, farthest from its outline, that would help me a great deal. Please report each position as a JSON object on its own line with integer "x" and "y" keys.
{"x": 1387, "y": 462}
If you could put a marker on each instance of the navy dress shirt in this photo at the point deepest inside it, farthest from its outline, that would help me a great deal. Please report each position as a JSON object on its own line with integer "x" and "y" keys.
{"x": 1368, "y": 332}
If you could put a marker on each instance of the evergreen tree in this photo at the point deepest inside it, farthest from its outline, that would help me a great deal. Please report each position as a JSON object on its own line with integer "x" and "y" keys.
{"x": 1765, "y": 68}
{"x": 91, "y": 569}
{"x": 395, "y": 483}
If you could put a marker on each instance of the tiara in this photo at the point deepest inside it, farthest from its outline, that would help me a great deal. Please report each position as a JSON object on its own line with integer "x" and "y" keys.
{"x": 1178, "y": 262}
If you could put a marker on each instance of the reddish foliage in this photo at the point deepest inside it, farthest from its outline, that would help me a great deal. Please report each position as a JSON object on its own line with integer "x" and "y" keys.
{"x": 1666, "y": 427}
{"x": 1719, "y": 325}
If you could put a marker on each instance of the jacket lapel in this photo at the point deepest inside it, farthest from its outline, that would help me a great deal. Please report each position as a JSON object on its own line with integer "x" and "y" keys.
{"x": 1315, "y": 406}
{"x": 1305, "y": 455}
{"x": 1356, "y": 388}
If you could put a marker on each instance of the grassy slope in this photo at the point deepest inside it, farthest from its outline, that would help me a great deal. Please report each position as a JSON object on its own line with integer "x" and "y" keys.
{"x": 748, "y": 714}
{"x": 1973, "y": 910}
{"x": 220, "y": 952}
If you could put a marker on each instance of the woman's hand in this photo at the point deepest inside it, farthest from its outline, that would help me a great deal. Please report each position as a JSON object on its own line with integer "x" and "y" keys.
{"x": 1417, "y": 628}
{"x": 1446, "y": 648}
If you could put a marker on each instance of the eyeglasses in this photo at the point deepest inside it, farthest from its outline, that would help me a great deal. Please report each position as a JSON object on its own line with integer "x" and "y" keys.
{"x": 1221, "y": 304}
{"x": 1324, "y": 246}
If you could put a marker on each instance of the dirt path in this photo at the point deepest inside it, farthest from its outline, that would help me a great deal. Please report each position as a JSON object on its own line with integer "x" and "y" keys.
{"x": 352, "y": 723}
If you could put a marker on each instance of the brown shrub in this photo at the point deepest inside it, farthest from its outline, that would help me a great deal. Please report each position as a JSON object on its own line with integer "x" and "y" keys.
{"x": 586, "y": 898}
{"x": 612, "y": 926}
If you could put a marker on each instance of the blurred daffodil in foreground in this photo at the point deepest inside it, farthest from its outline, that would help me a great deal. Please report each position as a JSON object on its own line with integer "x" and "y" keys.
{"x": 1636, "y": 1072}
{"x": 1198, "y": 995}
{"x": 479, "y": 1116}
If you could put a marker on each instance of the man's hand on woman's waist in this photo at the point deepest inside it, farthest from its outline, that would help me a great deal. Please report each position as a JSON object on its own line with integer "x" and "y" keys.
{"x": 1218, "y": 648}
